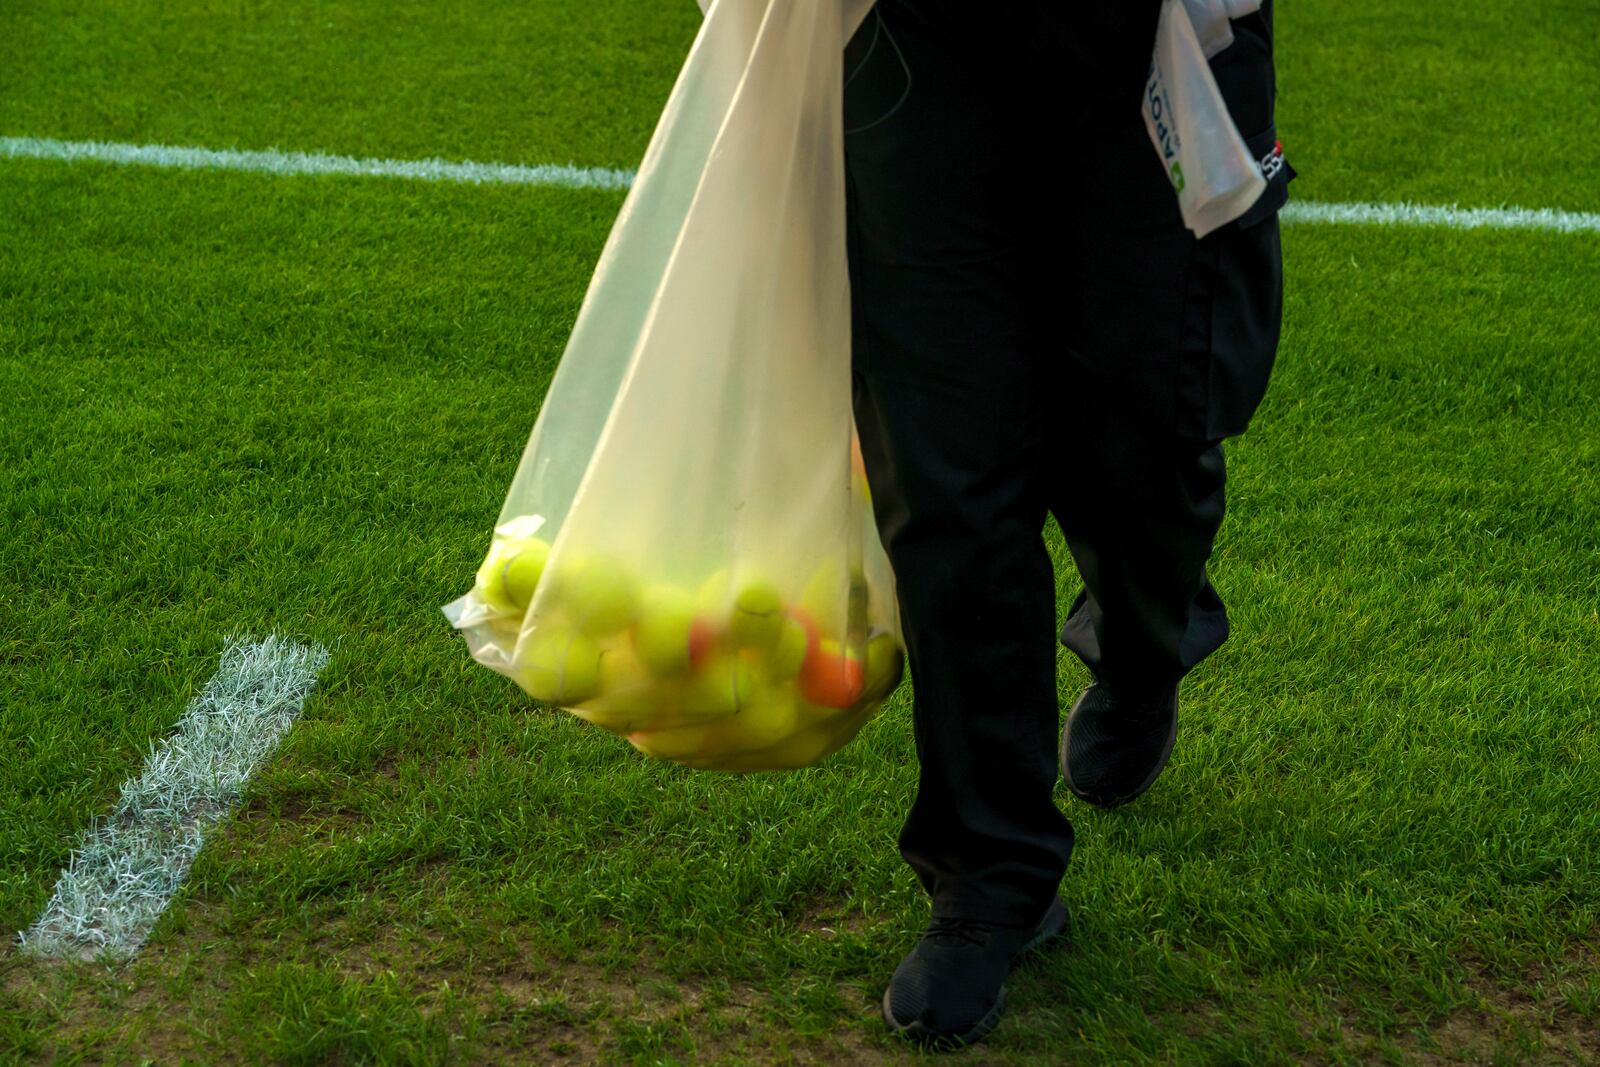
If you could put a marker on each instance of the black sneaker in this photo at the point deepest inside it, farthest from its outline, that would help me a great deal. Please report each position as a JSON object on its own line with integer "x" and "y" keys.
{"x": 1113, "y": 748}
{"x": 950, "y": 990}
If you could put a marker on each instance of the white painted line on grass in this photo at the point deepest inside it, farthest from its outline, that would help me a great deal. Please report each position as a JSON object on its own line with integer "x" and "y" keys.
{"x": 303, "y": 163}
{"x": 572, "y": 177}
{"x": 131, "y": 862}
{"x": 1454, "y": 218}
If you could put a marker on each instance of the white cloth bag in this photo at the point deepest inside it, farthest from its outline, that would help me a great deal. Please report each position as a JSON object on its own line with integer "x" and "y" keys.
{"x": 1204, "y": 155}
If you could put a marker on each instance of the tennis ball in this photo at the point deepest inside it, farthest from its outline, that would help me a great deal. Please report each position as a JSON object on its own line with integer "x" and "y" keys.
{"x": 521, "y": 572}
{"x": 813, "y": 742}
{"x": 664, "y": 634}
{"x": 611, "y": 720}
{"x": 560, "y": 666}
{"x": 630, "y": 696}
{"x": 823, "y": 596}
{"x": 492, "y": 574}
{"x": 710, "y": 616}
{"x": 711, "y": 599}
{"x": 831, "y": 676}
{"x": 599, "y": 594}
{"x": 885, "y": 665}
{"x": 789, "y": 653}
{"x": 800, "y": 749}
{"x": 720, "y": 687}
{"x": 836, "y": 597}
{"x": 767, "y": 719}
{"x": 702, "y": 641}
{"x": 678, "y": 743}
{"x": 757, "y": 616}
{"x": 739, "y": 743}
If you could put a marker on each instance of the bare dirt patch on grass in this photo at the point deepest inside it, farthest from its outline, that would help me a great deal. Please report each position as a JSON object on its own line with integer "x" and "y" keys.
{"x": 1525, "y": 1022}
{"x": 490, "y": 986}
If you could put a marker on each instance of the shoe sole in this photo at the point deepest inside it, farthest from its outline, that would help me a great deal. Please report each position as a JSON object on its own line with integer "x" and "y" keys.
{"x": 1054, "y": 921}
{"x": 1150, "y": 779}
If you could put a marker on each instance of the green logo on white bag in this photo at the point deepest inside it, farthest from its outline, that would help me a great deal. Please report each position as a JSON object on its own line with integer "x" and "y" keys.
{"x": 1178, "y": 181}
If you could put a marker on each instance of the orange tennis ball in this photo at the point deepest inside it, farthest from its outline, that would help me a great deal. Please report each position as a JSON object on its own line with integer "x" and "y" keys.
{"x": 831, "y": 677}
{"x": 702, "y": 641}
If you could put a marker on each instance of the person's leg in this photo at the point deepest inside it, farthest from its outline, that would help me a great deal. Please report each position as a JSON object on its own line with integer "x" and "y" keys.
{"x": 1140, "y": 519}
{"x": 950, "y": 413}
{"x": 1170, "y": 343}
{"x": 952, "y": 420}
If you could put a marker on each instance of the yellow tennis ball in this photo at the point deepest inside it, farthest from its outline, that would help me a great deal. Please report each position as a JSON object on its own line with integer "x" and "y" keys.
{"x": 630, "y": 697}
{"x": 599, "y": 594}
{"x": 510, "y": 572}
{"x": 800, "y": 749}
{"x": 757, "y": 618}
{"x": 560, "y": 666}
{"x": 521, "y": 572}
{"x": 721, "y": 686}
{"x": 662, "y": 636}
{"x": 711, "y": 599}
{"x": 824, "y": 594}
{"x": 678, "y": 743}
{"x": 815, "y": 741}
{"x": 789, "y": 653}
{"x": 768, "y": 718}
{"x": 491, "y": 579}
{"x": 885, "y": 665}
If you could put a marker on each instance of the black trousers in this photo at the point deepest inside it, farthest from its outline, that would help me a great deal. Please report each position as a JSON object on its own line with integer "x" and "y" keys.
{"x": 1036, "y": 332}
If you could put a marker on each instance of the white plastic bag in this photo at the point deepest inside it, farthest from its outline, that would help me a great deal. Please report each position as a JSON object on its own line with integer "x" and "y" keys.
{"x": 1211, "y": 169}
{"x": 856, "y": 11}
{"x": 1212, "y": 21}
{"x": 687, "y": 555}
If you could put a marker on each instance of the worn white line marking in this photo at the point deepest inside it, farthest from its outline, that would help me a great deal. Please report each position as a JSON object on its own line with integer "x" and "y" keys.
{"x": 303, "y": 163}
{"x": 131, "y": 862}
{"x": 573, "y": 177}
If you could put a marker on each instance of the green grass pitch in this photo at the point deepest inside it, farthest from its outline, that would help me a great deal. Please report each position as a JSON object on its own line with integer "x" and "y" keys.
{"x": 237, "y": 403}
